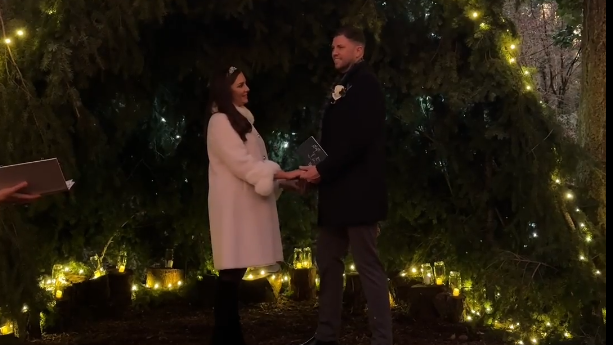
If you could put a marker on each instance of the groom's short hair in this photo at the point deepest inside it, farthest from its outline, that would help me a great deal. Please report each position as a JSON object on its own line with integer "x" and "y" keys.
{"x": 352, "y": 33}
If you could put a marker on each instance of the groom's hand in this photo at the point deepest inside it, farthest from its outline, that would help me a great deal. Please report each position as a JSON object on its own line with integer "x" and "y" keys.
{"x": 310, "y": 174}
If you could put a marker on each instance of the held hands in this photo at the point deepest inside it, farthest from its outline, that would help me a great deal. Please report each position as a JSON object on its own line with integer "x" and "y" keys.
{"x": 310, "y": 174}
{"x": 11, "y": 194}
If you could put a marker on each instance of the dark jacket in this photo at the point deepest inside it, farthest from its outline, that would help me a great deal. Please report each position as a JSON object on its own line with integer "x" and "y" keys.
{"x": 352, "y": 190}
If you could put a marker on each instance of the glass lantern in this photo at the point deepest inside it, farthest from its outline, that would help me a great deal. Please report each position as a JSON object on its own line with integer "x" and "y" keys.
{"x": 307, "y": 258}
{"x": 297, "y": 258}
{"x": 169, "y": 257}
{"x": 439, "y": 272}
{"x": 122, "y": 260}
{"x": 426, "y": 273}
{"x": 455, "y": 282}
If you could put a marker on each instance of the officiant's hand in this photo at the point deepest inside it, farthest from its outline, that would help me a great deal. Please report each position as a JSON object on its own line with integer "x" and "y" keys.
{"x": 310, "y": 174}
{"x": 11, "y": 194}
{"x": 288, "y": 175}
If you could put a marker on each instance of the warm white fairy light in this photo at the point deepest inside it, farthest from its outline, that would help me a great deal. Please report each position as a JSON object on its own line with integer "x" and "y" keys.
{"x": 7, "y": 41}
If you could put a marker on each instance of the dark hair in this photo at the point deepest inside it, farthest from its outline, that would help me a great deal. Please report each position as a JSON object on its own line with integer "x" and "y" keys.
{"x": 353, "y": 34}
{"x": 220, "y": 97}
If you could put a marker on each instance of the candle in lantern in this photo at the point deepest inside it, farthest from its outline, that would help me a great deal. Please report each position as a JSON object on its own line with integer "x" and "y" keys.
{"x": 455, "y": 282}
{"x": 122, "y": 260}
{"x": 439, "y": 272}
{"x": 59, "y": 293}
{"x": 298, "y": 258}
{"x": 426, "y": 271}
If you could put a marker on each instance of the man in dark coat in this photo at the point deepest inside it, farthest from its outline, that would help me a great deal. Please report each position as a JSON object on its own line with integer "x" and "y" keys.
{"x": 352, "y": 191}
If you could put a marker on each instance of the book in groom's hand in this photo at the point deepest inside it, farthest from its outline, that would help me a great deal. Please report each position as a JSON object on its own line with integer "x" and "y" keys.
{"x": 311, "y": 153}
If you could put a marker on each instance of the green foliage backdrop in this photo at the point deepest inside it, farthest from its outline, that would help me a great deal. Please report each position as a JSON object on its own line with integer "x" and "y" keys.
{"x": 117, "y": 91}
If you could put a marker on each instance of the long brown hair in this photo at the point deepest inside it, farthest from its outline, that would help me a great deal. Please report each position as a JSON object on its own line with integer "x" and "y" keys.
{"x": 220, "y": 101}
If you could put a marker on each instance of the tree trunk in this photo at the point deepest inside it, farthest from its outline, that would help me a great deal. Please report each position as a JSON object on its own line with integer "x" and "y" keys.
{"x": 592, "y": 111}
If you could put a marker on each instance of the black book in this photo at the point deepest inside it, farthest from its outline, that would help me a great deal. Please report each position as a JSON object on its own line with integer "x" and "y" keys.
{"x": 311, "y": 153}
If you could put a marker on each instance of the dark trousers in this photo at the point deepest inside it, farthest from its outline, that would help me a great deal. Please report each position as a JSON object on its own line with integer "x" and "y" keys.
{"x": 227, "y": 330}
{"x": 332, "y": 248}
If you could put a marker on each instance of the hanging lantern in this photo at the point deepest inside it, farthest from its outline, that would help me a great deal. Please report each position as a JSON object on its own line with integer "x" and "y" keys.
{"x": 439, "y": 272}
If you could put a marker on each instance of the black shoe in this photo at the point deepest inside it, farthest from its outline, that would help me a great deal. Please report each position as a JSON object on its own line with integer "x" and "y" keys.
{"x": 314, "y": 341}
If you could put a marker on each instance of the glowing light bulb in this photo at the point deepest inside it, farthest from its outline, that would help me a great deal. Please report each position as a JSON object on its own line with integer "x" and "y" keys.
{"x": 558, "y": 181}
{"x": 7, "y": 40}
{"x": 156, "y": 286}
{"x": 588, "y": 238}
{"x": 526, "y": 72}
{"x": 569, "y": 195}
{"x": 597, "y": 272}
{"x": 403, "y": 274}
{"x": 250, "y": 276}
{"x": 180, "y": 283}
{"x": 512, "y": 46}
{"x": 170, "y": 286}
{"x": 475, "y": 14}
{"x": 581, "y": 257}
{"x": 20, "y": 32}
{"x": 414, "y": 270}
{"x": 134, "y": 287}
{"x": 512, "y": 60}
{"x": 262, "y": 272}
{"x": 582, "y": 225}
{"x": 528, "y": 87}
{"x": 352, "y": 267}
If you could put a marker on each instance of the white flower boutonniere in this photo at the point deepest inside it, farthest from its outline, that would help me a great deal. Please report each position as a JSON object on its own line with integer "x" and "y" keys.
{"x": 339, "y": 92}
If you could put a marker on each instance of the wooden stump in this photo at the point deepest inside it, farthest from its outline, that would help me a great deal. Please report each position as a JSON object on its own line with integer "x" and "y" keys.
{"x": 401, "y": 288}
{"x": 163, "y": 277}
{"x": 302, "y": 282}
{"x": 9, "y": 339}
{"x": 422, "y": 300}
{"x": 120, "y": 291}
{"x": 256, "y": 291}
{"x": 33, "y": 327}
{"x": 354, "y": 300}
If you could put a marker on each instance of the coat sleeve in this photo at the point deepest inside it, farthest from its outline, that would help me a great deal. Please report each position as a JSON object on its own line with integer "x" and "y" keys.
{"x": 224, "y": 143}
{"x": 367, "y": 122}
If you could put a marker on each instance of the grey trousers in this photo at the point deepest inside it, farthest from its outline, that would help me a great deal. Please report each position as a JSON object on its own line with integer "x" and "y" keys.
{"x": 332, "y": 248}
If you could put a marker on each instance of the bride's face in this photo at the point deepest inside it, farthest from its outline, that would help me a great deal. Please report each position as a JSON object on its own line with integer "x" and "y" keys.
{"x": 240, "y": 90}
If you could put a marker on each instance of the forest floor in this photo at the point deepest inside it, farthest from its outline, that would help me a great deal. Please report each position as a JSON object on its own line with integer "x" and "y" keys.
{"x": 283, "y": 323}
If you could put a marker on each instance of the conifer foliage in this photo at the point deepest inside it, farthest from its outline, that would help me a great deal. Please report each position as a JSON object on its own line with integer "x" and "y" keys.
{"x": 480, "y": 175}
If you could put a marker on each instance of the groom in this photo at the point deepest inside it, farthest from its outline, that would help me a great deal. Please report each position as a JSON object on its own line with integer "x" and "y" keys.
{"x": 352, "y": 191}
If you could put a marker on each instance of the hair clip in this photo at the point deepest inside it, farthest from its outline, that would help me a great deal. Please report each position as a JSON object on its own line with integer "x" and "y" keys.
{"x": 231, "y": 70}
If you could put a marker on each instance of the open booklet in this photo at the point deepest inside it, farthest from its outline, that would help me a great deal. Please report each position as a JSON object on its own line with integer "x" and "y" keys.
{"x": 311, "y": 153}
{"x": 43, "y": 177}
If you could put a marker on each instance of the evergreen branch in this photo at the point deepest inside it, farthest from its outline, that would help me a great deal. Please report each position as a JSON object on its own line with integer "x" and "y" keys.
{"x": 542, "y": 141}
{"x": 21, "y": 78}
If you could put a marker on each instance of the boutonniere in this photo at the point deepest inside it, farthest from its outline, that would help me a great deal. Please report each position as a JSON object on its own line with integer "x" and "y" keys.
{"x": 339, "y": 92}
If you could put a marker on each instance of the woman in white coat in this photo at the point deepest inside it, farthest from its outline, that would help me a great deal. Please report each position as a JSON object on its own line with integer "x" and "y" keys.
{"x": 243, "y": 188}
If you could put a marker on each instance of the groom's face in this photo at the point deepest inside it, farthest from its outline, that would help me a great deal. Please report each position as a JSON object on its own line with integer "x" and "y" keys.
{"x": 345, "y": 52}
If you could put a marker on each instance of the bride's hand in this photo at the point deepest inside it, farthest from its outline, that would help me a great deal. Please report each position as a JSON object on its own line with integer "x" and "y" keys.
{"x": 288, "y": 175}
